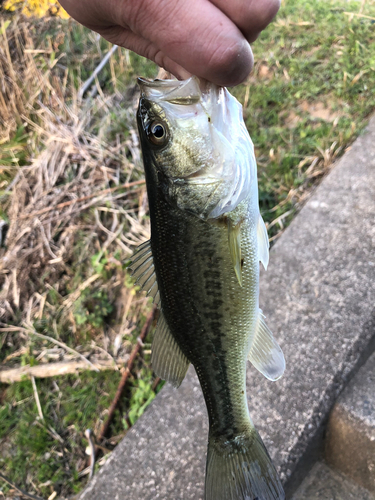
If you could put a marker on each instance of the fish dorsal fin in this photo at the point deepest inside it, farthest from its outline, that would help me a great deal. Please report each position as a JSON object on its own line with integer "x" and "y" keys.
{"x": 234, "y": 241}
{"x": 263, "y": 242}
{"x": 143, "y": 271}
{"x": 167, "y": 359}
{"x": 265, "y": 353}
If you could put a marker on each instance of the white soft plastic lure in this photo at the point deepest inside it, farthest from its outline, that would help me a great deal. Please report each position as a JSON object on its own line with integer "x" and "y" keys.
{"x": 201, "y": 266}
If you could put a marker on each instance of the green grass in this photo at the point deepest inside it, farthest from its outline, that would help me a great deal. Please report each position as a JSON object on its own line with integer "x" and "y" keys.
{"x": 77, "y": 406}
{"x": 312, "y": 55}
{"x": 71, "y": 404}
{"x": 309, "y": 96}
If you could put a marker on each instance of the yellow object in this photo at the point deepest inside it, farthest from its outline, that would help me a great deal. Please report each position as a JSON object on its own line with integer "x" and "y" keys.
{"x": 37, "y": 8}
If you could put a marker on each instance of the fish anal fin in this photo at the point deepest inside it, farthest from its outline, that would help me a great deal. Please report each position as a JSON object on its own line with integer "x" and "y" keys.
{"x": 234, "y": 242}
{"x": 263, "y": 242}
{"x": 143, "y": 271}
{"x": 265, "y": 353}
{"x": 167, "y": 359}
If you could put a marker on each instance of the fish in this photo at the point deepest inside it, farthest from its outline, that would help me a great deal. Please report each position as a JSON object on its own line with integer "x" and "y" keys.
{"x": 201, "y": 267}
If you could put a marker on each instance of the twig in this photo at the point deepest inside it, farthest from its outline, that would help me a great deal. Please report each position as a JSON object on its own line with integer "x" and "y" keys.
{"x": 126, "y": 374}
{"x": 114, "y": 363}
{"x": 15, "y": 354}
{"x": 103, "y": 448}
{"x": 362, "y": 6}
{"x": 83, "y": 198}
{"x": 51, "y": 431}
{"x": 50, "y": 339}
{"x": 46, "y": 370}
{"x": 24, "y": 493}
{"x": 96, "y": 71}
{"x": 88, "y": 434}
{"x": 54, "y": 434}
{"x": 86, "y": 471}
{"x": 279, "y": 219}
{"x": 273, "y": 238}
{"x": 351, "y": 14}
{"x": 73, "y": 297}
{"x": 36, "y": 396}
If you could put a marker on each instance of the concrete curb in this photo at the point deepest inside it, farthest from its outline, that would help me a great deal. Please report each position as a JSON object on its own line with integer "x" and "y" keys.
{"x": 324, "y": 483}
{"x": 350, "y": 441}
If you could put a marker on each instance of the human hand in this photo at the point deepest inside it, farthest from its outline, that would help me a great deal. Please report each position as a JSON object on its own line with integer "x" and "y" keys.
{"x": 207, "y": 38}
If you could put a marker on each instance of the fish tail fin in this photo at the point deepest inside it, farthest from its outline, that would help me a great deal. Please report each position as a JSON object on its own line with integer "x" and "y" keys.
{"x": 241, "y": 469}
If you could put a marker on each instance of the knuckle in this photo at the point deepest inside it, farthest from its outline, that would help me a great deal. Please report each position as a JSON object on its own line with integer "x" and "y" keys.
{"x": 151, "y": 52}
{"x": 158, "y": 57}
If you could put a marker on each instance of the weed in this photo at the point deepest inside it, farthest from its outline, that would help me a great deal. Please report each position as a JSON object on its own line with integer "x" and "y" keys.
{"x": 92, "y": 308}
{"x": 77, "y": 403}
{"x": 141, "y": 397}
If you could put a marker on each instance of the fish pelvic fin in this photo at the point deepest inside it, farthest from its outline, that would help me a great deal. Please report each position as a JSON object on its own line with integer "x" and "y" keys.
{"x": 234, "y": 241}
{"x": 167, "y": 359}
{"x": 241, "y": 469}
{"x": 265, "y": 353}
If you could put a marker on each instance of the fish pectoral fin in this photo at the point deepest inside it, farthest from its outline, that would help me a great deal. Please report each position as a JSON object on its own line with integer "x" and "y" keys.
{"x": 263, "y": 242}
{"x": 143, "y": 271}
{"x": 234, "y": 241}
{"x": 265, "y": 353}
{"x": 167, "y": 359}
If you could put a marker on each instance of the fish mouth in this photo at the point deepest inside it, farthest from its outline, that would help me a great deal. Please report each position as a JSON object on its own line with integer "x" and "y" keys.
{"x": 185, "y": 92}
{"x": 190, "y": 92}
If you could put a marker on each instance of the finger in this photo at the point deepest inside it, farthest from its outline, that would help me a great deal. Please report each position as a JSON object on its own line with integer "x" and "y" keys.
{"x": 126, "y": 38}
{"x": 93, "y": 14}
{"x": 251, "y": 16}
{"x": 196, "y": 35}
{"x": 103, "y": 23}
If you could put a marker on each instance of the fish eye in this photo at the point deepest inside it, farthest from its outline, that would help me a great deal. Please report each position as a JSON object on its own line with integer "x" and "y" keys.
{"x": 157, "y": 133}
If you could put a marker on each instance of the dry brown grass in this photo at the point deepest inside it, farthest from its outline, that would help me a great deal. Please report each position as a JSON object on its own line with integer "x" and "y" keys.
{"x": 81, "y": 195}
{"x": 24, "y": 86}
{"x": 46, "y": 207}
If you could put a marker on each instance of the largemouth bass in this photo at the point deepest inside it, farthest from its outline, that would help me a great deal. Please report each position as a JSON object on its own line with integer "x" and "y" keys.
{"x": 201, "y": 266}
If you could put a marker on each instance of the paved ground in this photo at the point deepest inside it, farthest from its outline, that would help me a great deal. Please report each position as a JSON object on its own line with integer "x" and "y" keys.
{"x": 318, "y": 295}
{"x": 324, "y": 483}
